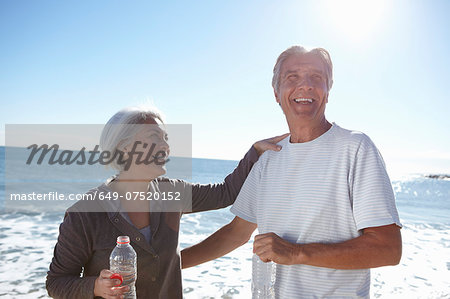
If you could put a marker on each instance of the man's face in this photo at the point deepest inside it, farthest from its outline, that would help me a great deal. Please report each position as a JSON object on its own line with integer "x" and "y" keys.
{"x": 303, "y": 91}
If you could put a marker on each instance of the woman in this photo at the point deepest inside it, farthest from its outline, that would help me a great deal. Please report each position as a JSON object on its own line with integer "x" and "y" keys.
{"x": 86, "y": 239}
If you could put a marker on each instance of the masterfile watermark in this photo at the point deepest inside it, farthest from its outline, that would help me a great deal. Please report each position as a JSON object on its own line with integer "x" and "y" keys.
{"x": 69, "y": 157}
{"x": 51, "y": 167}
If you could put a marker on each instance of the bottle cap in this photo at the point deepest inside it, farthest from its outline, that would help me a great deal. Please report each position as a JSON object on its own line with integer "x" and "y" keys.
{"x": 123, "y": 240}
{"x": 117, "y": 276}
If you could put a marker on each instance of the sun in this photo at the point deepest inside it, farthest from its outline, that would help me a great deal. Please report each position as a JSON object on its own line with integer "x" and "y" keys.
{"x": 356, "y": 19}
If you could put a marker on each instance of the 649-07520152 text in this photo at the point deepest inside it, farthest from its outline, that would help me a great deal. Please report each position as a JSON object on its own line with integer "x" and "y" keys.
{"x": 56, "y": 196}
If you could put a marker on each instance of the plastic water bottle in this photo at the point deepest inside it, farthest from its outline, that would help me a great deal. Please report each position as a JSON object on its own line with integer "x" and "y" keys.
{"x": 123, "y": 261}
{"x": 263, "y": 279}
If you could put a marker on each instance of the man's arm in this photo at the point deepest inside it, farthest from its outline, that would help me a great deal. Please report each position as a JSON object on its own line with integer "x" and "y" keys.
{"x": 376, "y": 247}
{"x": 223, "y": 241}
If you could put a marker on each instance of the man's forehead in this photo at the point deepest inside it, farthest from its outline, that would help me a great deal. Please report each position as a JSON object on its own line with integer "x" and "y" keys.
{"x": 303, "y": 62}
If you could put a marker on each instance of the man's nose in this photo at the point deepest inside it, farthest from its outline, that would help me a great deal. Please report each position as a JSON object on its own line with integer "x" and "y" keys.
{"x": 305, "y": 84}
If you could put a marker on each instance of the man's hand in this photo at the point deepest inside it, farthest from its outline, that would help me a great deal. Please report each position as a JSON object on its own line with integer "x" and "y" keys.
{"x": 376, "y": 247}
{"x": 269, "y": 144}
{"x": 104, "y": 286}
{"x": 270, "y": 247}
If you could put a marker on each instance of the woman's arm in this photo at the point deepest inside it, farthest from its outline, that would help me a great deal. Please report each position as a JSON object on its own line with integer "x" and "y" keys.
{"x": 216, "y": 196}
{"x": 70, "y": 255}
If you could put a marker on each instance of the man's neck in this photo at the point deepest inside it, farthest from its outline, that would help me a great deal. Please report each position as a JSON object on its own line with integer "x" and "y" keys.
{"x": 304, "y": 132}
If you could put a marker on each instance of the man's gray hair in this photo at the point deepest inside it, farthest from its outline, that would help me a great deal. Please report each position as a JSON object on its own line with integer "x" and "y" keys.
{"x": 322, "y": 53}
{"x": 123, "y": 126}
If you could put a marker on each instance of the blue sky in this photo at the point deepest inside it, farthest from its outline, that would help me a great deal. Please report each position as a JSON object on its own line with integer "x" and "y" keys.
{"x": 209, "y": 64}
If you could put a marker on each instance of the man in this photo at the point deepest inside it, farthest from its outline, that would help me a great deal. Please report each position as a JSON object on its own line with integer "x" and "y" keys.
{"x": 324, "y": 205}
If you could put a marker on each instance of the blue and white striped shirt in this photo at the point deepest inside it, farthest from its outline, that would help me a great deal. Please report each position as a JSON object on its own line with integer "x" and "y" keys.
{"x": 325, "y": 190}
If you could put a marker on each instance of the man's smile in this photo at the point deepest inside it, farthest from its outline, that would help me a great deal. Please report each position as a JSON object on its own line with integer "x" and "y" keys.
{"x": 304, "y": 101}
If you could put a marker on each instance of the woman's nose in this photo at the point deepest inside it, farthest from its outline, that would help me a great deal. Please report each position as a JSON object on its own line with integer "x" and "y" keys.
{"x": 165, "y": 147}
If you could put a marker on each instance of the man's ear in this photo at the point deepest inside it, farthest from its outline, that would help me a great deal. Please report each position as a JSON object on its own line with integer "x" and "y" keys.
{"x": 329, "y": 87}
{"x": 276, "y": 97}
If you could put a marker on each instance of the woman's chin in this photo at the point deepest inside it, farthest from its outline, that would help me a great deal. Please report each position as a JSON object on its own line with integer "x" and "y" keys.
{"x": 161, "y": 171}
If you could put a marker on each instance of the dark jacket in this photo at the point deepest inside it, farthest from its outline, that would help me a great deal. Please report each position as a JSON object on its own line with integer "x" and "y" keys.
{"x": 86, "y": 240}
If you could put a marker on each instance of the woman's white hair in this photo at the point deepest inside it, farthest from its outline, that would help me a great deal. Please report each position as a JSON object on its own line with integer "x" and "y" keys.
{"x": 322, "y": 53}
{"x": 123, "y": 126}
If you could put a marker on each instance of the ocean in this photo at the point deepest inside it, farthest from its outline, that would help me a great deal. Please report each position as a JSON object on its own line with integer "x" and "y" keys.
{"x": 27, "y": 240}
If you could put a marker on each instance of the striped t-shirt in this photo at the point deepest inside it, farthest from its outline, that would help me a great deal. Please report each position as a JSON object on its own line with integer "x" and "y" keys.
{"x": 322, "y": 191}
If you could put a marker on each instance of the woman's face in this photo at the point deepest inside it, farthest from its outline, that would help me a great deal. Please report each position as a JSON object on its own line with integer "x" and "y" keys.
{"x": 149, "y": 152}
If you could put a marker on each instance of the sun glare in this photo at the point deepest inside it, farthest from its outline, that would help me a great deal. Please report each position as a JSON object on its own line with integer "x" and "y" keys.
{"x": 356, "y": 19}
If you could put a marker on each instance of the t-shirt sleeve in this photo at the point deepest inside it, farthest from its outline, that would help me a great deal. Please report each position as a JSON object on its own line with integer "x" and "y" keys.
{"x": 246, "y": 202}
{"x": 372, "y": 194}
